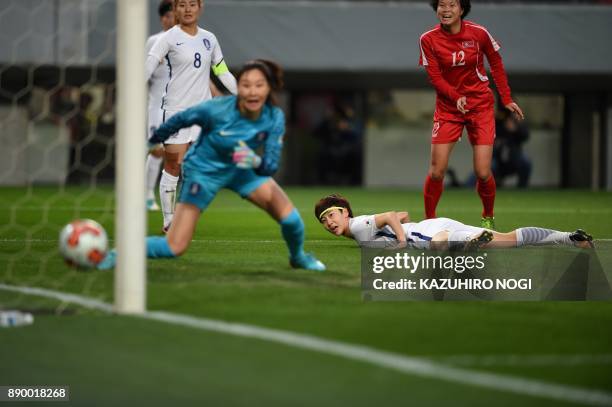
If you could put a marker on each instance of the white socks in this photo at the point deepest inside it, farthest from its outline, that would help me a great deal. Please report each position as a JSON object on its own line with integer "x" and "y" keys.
{"x": 151, "y": 172}
{"x": 167, "y": 196}
{"x": 541, "y": 236}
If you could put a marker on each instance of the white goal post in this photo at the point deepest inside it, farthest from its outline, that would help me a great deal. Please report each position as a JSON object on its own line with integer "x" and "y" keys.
{"x": 130, "y": 217}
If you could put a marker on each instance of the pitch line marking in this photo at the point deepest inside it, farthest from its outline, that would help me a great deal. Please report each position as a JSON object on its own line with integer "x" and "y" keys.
{"x": 394, "y": 361}
{"x": 526, "y": 360}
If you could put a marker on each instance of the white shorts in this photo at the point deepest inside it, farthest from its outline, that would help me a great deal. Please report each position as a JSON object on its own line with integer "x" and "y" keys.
{"x": 184, "y": 136}
{"x": 423, "y": 231}
{"x": 154, "y": 120}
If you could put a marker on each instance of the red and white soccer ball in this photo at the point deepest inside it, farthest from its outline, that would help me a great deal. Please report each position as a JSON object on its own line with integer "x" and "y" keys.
{"x": 83, "y": 243}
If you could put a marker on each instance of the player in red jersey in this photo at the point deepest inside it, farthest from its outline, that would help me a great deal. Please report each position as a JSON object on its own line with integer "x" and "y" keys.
{"x": 453, "y": 55}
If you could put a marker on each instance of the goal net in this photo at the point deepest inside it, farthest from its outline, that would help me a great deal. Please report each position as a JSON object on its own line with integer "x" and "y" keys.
{"x": 72, "y": 124}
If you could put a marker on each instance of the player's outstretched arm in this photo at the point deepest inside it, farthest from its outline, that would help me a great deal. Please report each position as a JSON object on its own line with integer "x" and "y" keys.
{"x": 432, "y": 67}
{"x": 392, "y": 219}
{"x": 404, "y": 217}
{"x": 194, "y": 115}
{"x": 221, "y": 71}
{"x": 514, "y": 108}
{"x": 228, "y": 80}
{"x": 273, "y": 147}
{"x": 491, "y": 50}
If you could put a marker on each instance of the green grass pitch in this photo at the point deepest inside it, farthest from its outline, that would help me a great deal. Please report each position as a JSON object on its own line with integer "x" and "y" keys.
{"x": 237, "y": 270}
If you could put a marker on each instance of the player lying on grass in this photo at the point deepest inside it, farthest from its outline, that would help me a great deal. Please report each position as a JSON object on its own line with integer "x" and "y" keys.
{"x": 224, "y": 157}
{"x": 395, "y": 228}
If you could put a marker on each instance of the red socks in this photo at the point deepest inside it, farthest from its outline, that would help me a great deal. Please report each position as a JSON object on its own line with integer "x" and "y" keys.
{"x": 431, "y": 193}
{"x": 433, "y": 190}
{"x": 486, "y": 190}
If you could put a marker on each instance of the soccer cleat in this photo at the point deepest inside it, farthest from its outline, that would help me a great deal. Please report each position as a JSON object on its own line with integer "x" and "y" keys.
{"x": 165, "y": 229}
{"x": 582, "y": 239}
{"x": 152, "y": 205}
{"x": 478, "y": 241}
{"x": 109, "y": 261}
{"x": 307, "y": 261}
{"x": 488, "y": 222}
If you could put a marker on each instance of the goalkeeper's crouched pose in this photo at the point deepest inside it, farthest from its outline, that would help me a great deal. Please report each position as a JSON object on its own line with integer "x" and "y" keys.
{"x": 396, "y": 230}
{"x": 223, "y": 157}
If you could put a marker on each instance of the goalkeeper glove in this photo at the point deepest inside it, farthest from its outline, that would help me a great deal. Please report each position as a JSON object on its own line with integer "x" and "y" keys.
{"x": 244, "y": 157}
{"x": 154, "y": 146}
{"x": 151, "y": 146}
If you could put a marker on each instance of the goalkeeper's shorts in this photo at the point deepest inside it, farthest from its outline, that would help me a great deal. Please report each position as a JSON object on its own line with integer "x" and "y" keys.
{"x": 199, "y": 188}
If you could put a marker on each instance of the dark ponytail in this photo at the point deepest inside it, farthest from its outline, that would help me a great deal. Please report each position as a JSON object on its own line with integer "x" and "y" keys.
{"x": 271, "y": 71}
{"x": 164, "y": 7}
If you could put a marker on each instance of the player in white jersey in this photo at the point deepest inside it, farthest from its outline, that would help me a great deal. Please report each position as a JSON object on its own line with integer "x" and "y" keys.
{"x": 395, "y": 229}
{"x": 157, "y": 84}
{"x": 191, "y": 53}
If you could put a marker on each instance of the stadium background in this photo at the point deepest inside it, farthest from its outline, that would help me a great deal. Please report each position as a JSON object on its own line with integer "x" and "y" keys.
{"x": 57, "y": 116}
{"x": 360, "y": 55}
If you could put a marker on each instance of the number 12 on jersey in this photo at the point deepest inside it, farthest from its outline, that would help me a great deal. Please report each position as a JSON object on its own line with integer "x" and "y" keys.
{"x": 461, "y": 56}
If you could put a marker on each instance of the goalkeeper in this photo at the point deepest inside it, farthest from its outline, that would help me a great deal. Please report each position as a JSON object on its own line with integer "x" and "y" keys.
{"x": 224, "y": 157}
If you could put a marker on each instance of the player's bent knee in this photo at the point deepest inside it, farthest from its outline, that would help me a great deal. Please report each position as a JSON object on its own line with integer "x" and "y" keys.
{"x": 178, "y": 244}
{"x": 483, "y": 174}
{"x": 484, "y": 177}
{"x": 172, "y": 167}
{"x": 178, "y": 247}
{"x": 437, "y": 174}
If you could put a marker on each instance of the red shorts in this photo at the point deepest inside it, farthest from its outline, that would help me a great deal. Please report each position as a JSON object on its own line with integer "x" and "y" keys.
{"x": 480, "y": 127}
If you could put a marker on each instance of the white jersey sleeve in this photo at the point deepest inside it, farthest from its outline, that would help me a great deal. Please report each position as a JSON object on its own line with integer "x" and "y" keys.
{"x": 150, "y": 42}
{"x": 155, "y": 55}
{"x": 363, "y": 228}
{"x": 217, "y": 54}
{"x": 221, "y": 71}
{"x": 161, "y": 46}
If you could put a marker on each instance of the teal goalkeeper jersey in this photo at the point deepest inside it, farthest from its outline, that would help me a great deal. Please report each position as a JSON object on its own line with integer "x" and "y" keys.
{"x": 223, "y": 127}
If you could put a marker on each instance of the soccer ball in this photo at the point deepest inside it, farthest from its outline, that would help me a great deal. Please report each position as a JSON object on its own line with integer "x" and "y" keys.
{"x": 83, "y": 243}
